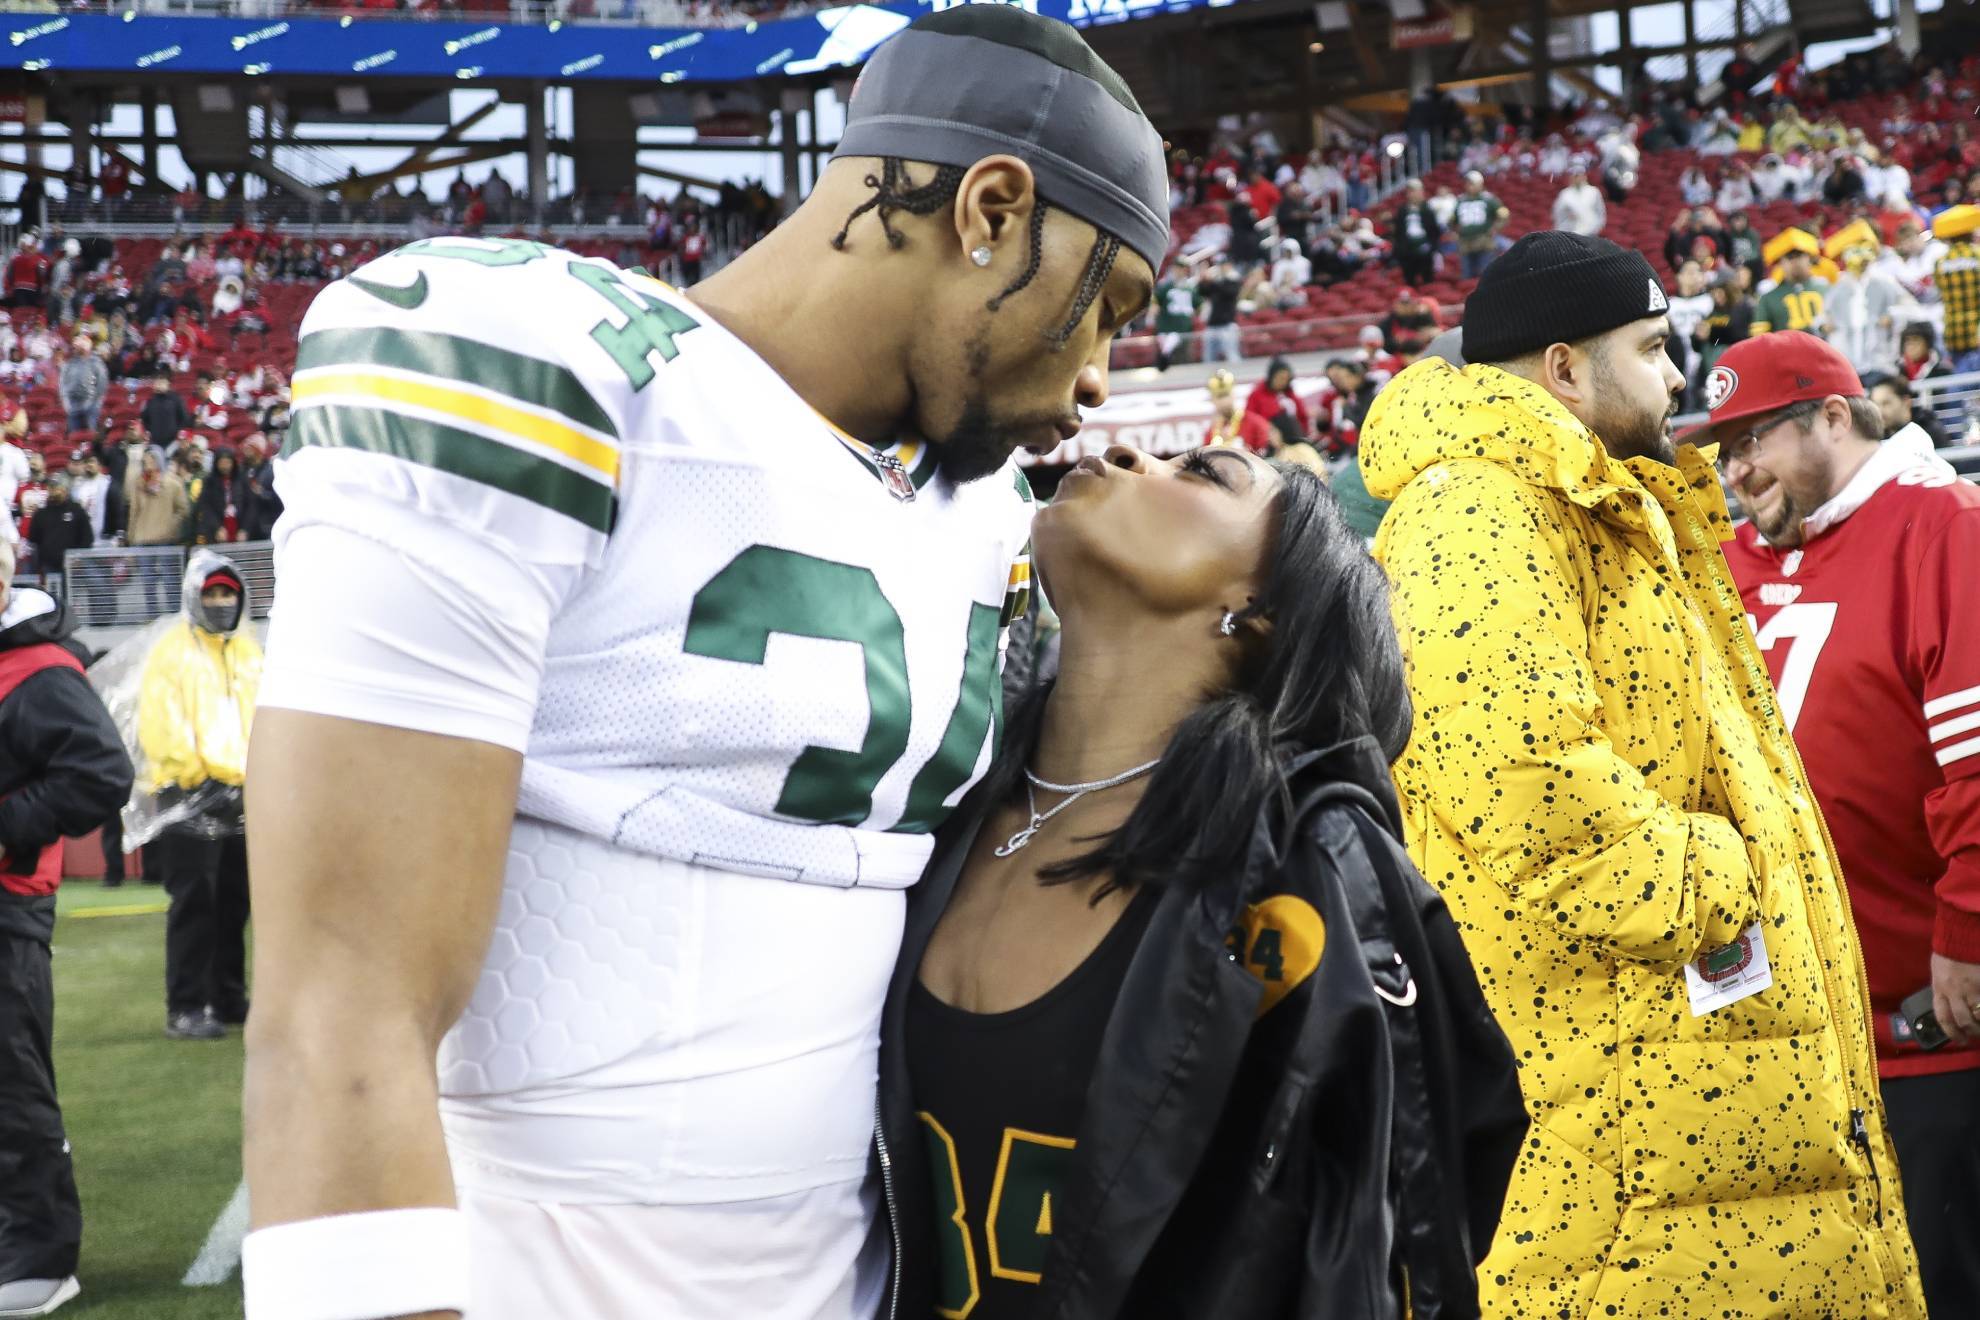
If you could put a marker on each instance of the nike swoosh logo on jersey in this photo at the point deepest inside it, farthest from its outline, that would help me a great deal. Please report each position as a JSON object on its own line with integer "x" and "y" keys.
{"x": 409, "y": 297}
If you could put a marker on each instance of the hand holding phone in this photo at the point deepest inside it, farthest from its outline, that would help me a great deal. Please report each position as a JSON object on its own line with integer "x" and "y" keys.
{"x": 1917, "y": 1012}
{"x": 1956, "y": 997}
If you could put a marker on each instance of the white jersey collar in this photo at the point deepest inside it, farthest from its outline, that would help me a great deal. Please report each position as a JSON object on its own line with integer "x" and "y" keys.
{"x": 1907, "y": 452}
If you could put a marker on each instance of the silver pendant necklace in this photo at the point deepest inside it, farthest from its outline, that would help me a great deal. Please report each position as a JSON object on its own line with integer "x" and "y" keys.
{"x": 1076, "y": 791}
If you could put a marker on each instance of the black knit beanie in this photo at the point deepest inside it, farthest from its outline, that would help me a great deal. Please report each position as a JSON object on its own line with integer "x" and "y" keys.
{"x": 1554, "y": 287}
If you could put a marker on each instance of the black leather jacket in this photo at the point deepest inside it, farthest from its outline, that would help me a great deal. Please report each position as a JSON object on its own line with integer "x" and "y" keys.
{"x": 1343, "y": 1156}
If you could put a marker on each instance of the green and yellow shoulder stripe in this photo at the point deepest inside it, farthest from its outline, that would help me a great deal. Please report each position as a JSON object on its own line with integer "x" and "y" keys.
{"x": 510, "y": 420}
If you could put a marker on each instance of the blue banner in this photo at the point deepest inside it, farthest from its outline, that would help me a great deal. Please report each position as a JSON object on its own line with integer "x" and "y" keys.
{"x": 567, "y": 52}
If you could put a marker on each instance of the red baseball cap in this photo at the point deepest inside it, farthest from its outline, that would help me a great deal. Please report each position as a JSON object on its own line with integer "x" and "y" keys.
{"x": 1769, "y": 372}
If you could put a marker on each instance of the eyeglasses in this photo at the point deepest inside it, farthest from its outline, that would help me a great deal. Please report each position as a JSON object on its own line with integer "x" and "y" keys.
{"x": 1746, "y": 447}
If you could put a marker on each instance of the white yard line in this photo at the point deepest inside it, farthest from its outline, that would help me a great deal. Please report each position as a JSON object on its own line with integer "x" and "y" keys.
{"x": 222, "y": 1252}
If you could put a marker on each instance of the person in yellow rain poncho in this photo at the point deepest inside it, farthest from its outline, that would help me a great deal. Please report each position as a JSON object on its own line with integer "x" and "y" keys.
{"x": 1600, "y": 783}
{"x": 195, "y": 707}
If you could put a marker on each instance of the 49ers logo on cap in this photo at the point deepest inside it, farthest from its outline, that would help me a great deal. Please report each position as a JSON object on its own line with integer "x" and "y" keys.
{"x": 1719, "y": 387}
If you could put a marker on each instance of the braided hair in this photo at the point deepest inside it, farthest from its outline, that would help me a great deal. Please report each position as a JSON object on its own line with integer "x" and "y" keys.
{"x": 893, "y": 192}
{"x": 1099, "y": 265}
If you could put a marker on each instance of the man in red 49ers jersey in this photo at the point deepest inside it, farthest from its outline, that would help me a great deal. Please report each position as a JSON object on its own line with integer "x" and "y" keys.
{"x": 1857, "y": 571}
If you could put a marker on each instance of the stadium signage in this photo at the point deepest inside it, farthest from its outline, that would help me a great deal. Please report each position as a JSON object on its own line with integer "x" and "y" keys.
{"x": 472, "y": 39}
{"x": 276, "y": 30}
{"x": 840, "y": 38}
{"x": 1435, "y": 29}
{"x": 25, "y": 35}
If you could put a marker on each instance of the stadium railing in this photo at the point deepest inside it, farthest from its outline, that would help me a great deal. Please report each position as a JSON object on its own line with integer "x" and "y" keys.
{"x": 125, "y": 586}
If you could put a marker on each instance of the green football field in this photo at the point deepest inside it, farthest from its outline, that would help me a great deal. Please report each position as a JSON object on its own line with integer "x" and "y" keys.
{"x": 155, "y": 1124}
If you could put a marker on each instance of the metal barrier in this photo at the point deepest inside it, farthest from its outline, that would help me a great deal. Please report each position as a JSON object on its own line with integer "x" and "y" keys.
{"x": 121, "y": 586}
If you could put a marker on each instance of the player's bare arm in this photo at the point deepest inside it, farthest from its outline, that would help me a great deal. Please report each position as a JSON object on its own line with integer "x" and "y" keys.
{"x": 377, "y": 865}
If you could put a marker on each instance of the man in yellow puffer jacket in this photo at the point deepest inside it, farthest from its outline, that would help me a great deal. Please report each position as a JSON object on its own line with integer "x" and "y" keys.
{"x": 1600, "y": 783}
{"x": 195, "y": 709}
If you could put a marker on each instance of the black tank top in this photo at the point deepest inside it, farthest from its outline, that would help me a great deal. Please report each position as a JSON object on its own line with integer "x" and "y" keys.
{"x": 1000, "y": 1097}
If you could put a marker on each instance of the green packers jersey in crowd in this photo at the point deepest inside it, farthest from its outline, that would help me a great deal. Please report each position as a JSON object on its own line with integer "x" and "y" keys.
{"x": 1792, "y": 307}
{"x": 1175, "y": 308}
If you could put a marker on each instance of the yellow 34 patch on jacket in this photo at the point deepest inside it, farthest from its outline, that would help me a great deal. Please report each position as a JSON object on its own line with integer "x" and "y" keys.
{"x": 1279, "y": 942}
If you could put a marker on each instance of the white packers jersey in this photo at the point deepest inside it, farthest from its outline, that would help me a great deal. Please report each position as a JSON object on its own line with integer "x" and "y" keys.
{"x": 538, "y": 501}
{"x": 769, "y": 659}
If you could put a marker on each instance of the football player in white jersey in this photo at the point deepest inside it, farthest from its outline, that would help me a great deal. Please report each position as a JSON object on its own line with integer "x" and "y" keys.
{"x": 630, "y": 645}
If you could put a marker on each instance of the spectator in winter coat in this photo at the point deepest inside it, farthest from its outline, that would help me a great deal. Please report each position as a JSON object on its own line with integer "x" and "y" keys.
{"x": 13, "y": 475}
{"x": 92, "y": 490}
{"x": 1290, "y": 275}
{"x": 1892, "y": 395}
{"x": 83, "y": 383}
{"x": 1579, "y": 208}
{"x": 1604, "y": 857}
{"x": 1863, "y": 306}
{"x": 1344, "y": 405}
{"x": 1274, "y": 400}
{"x": 217, "y": 515}
{"x": 1416, "y": 233}
{"x": 1844, "y": 184}
{"x": 259, "y": 504}
{"x": 1735, "y": 193}
{"x": 65, "y": 772}
{"x": 1695, "y": 187}
{"x": 164, "y": 414}
{"x": 59, "y": 526}
{"x": 158, "y": 505}
{"x": 27, "y": 275}
{"x": 1381, "y": 363}
{"x": 195, "y": 710}
{"x": 1411, "y": 324}
{"x": 1918, "y": 353}
{"x": 1742, "y": 243}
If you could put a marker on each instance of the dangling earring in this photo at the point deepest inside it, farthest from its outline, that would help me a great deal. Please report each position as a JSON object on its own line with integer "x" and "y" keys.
{"x": 981, "y": 256}
{"x": 1229, "y": 626}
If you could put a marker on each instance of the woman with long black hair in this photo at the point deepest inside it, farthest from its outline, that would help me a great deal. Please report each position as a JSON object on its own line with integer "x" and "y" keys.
{"x": 1177, "y": 1031}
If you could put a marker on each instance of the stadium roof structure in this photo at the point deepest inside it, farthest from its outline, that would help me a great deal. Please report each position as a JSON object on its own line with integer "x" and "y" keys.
{"x": 1289, "y": 55}
{"x": 240, "y": 84}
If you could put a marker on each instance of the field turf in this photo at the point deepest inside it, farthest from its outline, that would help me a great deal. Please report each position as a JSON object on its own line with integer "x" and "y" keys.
{"x": 155, "y": 1124}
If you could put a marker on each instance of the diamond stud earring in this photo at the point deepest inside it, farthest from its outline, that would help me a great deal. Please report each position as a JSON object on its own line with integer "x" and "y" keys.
{"x": 981, "y": 256}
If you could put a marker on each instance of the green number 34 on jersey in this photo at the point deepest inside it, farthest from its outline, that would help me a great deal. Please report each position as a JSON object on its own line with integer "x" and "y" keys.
{"x": 766, "y": 590}
{"x": 650, "y": 324}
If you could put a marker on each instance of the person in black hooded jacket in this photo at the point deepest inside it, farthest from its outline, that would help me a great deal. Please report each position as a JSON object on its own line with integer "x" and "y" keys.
{"x": 1177, "y": 1031}
{"x": 63, "y": 769}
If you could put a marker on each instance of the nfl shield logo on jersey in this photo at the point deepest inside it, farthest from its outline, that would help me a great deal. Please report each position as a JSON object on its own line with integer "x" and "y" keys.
{"x": 1719, "y": 387}
{"x": 894, "y": 475}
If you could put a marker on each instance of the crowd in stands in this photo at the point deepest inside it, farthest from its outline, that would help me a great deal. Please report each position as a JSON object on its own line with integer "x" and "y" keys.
{"x": 1835, "y": 203}
{"x": 685, "y": 227}
{"x": 1802, "y": 202}
{"x": 148, "y": 405}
